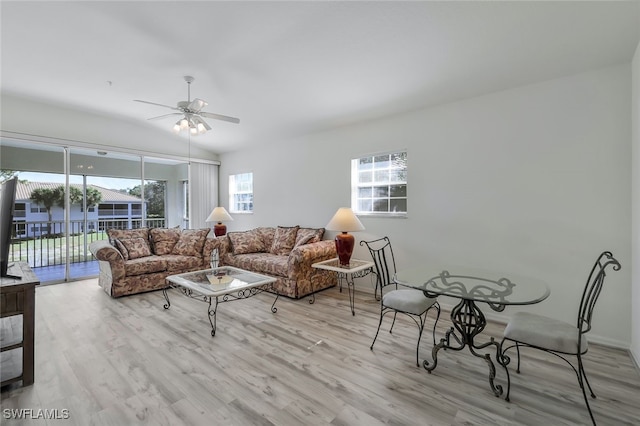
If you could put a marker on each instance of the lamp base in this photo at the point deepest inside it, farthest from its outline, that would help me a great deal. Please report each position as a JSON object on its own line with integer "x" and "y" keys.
{"x": 344, "y": 247}
{"x": 219, "y": 229}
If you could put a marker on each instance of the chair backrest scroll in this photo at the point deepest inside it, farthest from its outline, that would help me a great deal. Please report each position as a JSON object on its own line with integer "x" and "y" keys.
{"x": 593, "y": 288}
{"x": 385, "y": 263}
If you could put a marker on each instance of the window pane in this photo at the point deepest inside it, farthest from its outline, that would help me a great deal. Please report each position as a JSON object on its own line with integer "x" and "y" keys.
{"x": 381, "y": 161}
{"x": 381, "y": 191}
{"x": 398, "y": 205}
{"x": 380, "y": 205}
{"x": 364, "y": 205}
{"x": 398, "y": 190}
{"x": 398, "y": 175}
{"x": 366, "y": 192}
{"x": 365, "y": 163}
{"x": 365, "y": 177}
{"x": 381, "y": 176}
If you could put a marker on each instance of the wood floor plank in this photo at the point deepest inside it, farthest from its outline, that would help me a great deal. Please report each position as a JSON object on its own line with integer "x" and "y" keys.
{"x": 129, "y": 361}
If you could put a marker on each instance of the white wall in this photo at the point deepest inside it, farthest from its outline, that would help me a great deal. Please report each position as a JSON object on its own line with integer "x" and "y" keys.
{"x": 534, "y": 181}
{"x": 635, "y": 296}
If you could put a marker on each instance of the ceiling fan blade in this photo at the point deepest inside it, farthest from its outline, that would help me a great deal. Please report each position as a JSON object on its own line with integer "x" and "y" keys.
{"x": 197, "y": 104}
{"x": 220, "y": 117}
{"x": 153, "y": 103}
{"x": 165, "y": 115}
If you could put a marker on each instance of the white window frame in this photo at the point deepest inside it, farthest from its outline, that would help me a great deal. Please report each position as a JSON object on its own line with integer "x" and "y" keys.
{"x": 241, "y": 193}
{"x": 380, "y": 174}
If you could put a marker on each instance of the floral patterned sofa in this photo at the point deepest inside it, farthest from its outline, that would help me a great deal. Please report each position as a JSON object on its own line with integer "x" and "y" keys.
{"x": 285, "y": 253}
{"x": 138, "y": 260}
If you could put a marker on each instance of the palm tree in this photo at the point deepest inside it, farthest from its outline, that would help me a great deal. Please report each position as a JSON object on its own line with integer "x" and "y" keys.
{"x": 46, "y": 197}
{"x": 94, "y": 197}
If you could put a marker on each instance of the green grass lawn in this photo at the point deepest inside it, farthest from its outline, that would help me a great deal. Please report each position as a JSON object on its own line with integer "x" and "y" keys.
{"x": 52, "y": 251}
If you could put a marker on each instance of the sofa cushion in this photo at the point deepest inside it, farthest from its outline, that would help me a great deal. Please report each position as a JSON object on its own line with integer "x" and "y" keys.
{"x": 284, "y": 240}
{"x": 163, "y": 240}
{"x": 146, "y": 265}
{"x": 308, "y": 236}
{"x": 191, "y": 242}
{"x": 263, "y": 263}
{"x": 247, "y": 242}
{"x": 134, "y": 247}
{"x": 177, "y": 263}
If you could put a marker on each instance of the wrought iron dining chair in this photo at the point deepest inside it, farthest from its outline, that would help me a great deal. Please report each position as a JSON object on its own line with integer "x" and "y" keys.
{"x": 407, "y": 301}
{"x": 558, "y": 337}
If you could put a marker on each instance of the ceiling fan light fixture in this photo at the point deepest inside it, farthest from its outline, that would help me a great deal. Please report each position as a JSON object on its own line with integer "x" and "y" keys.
{"x": 192, "y": 111}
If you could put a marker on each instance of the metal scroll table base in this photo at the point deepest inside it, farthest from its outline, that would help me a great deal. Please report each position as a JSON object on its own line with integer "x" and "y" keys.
{"x": 468, "y": 321}
{"x": 213, "y": 301}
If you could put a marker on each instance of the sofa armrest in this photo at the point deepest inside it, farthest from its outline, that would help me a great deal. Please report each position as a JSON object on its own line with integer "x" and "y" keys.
{"x": 105, "y": 252}
{"x": 302, "y": 257}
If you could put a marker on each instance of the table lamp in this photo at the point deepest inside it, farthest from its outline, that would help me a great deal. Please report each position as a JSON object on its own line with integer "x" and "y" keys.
{"x": 344, "y": 221}
{"x": 219, "y": 214}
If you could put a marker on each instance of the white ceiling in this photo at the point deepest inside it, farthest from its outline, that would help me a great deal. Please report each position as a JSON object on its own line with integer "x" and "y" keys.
{"x": 289, "y": 68}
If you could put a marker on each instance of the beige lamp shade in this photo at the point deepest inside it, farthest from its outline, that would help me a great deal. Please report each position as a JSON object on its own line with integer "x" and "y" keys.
{"x": 219, "y": 215}
{"x": 345, "y": 220}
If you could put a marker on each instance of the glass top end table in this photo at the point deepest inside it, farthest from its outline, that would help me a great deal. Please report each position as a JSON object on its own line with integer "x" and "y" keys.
{"x": 355, "y": 269}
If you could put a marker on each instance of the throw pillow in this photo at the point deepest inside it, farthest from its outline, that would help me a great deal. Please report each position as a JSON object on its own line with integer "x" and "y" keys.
{"x": 136, "y": 247}
{"x": 308, "y": 236}
{"x": 163, "y": 240}
{"x": 247, "y": 242}
{"x": 121, "y": 248}
{"x": 191, "y": 242}
{"x": 284, "y": 240}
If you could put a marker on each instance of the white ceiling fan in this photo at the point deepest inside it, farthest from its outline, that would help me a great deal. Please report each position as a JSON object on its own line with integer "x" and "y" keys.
{"x": 192, "y": 113}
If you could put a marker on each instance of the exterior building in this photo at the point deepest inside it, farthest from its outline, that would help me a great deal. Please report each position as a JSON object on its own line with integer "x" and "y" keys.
{"x": 116, "y": 210}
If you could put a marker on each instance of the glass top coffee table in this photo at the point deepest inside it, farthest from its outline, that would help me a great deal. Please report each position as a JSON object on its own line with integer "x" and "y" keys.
{"x": 223, "y": 284}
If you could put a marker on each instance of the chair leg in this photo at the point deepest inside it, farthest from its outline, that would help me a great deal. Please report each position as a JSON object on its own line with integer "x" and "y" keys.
{"x": 582, "y": 377}
{"x": 378, "y": 330}
{"x": 584, "y": 374}
{"x": 518, "y": 352}
{"x": 394, "y": 321}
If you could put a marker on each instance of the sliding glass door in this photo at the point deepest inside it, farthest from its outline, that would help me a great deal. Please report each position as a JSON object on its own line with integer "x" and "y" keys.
{"x": 68, "y": 197}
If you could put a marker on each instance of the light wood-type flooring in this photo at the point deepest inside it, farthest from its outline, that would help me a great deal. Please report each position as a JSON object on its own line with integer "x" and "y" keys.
{"x": 128, "y": 361}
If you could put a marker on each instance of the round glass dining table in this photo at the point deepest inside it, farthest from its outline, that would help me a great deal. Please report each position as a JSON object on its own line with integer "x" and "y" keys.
{"x": 471, "y": 286}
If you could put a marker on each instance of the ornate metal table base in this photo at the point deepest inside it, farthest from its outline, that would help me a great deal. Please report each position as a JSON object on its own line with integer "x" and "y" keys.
{"x": 468, "y": 321}
{"x": 213, "y": 301}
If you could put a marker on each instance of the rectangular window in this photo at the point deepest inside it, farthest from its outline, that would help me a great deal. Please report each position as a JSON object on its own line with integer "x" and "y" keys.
{"x": 379, "y": 184}
{"x": 35, "y": 208}
{"x": 241, "y": 193}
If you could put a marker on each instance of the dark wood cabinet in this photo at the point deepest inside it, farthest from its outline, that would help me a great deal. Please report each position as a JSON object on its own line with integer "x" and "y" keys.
{"x": 17, "y": 317}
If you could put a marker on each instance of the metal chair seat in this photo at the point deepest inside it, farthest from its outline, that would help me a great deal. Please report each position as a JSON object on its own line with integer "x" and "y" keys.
{"x": 408, "y": 301}
{"x": 545, "y": 333}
